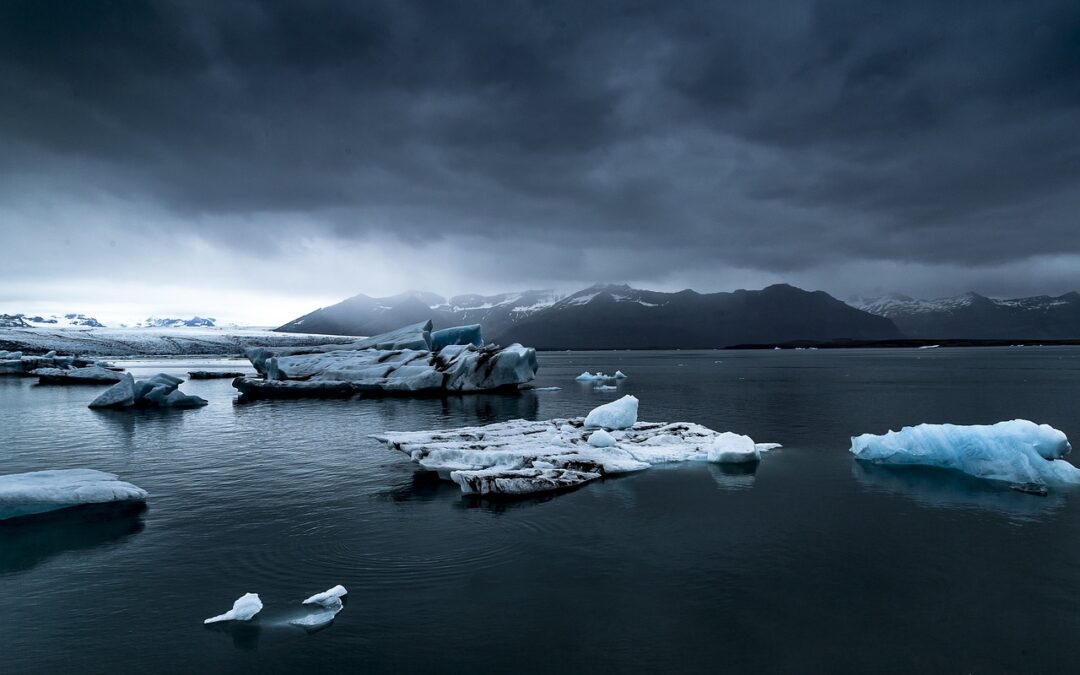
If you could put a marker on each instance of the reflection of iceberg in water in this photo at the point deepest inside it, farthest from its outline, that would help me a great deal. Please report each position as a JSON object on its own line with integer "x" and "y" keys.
{"x": 945, "y": 489}
{"x": 29, "y": 541}
{"x": 245, "y": 634}
{"x": 733, "y": 476}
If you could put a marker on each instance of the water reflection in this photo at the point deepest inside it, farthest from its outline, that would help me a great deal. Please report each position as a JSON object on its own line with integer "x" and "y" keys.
{"x": 941, "y": 488}
{"x": 28, "y": 542}
{"x": 733, "y": 476}
{"x": 245, "y": 634}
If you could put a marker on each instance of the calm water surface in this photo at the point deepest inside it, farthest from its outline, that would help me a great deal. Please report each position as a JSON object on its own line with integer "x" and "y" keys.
{"x": 812, "y": 564}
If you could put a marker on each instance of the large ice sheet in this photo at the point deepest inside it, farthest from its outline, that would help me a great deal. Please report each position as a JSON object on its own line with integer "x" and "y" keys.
{"x": 520, "y": 457}
{"x": 1019, "y": 452}
{"x": 24, "y": 494}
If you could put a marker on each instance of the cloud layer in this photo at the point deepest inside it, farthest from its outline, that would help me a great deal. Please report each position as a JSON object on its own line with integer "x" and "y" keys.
{"x": 313, "y": 150}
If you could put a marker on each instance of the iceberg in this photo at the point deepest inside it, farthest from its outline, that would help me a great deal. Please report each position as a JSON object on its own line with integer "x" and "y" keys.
{"x": 619, "y": 375}
{"x": 522, "y": 457}
{"x": 25, "y": 494}
{"x": 619, "y": 414}
{"x": 159, "y": 391}
{"x": 406, "y": 361}
{"x": 245, "y": 607}
{"x": 594, "y": 377}
{"x": 1022, "y": 453}
{"x": 17, "y": 363}
{"x": 329, "y": 604}
{"x": 88, "y": 375}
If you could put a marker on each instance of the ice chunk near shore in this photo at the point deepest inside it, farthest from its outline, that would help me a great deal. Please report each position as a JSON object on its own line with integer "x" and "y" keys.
{"x": 88, "y": 375}
{"x": 25, "y": 494}
{"x": 1018, "y": 452}
{"x": 522, "y": 457}
{"x": 245, "y": 607}
{"x": 159, "y": 391}
{"x": 619, "y": 414}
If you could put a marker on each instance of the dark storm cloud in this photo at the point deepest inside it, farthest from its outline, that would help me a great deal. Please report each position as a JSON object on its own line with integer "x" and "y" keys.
{"x": 777, "y": 136}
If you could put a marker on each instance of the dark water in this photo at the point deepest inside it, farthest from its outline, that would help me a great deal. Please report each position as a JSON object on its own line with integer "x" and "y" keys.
{"x": 813, "y": 564}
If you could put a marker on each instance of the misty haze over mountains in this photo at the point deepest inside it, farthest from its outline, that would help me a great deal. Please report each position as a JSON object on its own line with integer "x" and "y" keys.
{"x": 616, "y": 316}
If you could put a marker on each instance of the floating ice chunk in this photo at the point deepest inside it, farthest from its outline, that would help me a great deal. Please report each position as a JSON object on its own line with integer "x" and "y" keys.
{"x": 601, "y": 439}
{"x": 158, "y": 391}
{"x": 1018, "y": 452}
{"x": 24, "y": 494}
{"x": 547, "y": 388}
{"x": 593, "y": 377}
{"x": 245, "y": 607}
{"x": 729, "y": 448}
{"x": 620, "y": 414}
{"x": 929, "y": 346}
{"x": 119, "y": 395}
{"x": 605, "y": 387}
{"x": 327, "y": 598}
{"x": 619, "y": 375}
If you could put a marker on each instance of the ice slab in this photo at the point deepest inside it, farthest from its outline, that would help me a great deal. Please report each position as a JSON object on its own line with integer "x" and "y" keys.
{"x": 1019, "y": 452}
{"x": 729, "y": 448}
{"x": 522, "y": 457}
{"x": 25, "y": 494}
{"x": 87, "y": 375}
{"x": 245, "y": 607}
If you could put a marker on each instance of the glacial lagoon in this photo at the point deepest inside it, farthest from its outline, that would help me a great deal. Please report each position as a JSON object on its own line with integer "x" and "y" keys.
{"x": 806, "y": 561}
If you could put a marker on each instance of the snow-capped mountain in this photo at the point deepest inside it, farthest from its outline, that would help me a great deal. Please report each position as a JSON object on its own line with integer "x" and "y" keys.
{"x": 976, "y": 316}
{"x": 609, "y": 316}
{"x": 48, "y": 321}
{"x": 193, "y": 322}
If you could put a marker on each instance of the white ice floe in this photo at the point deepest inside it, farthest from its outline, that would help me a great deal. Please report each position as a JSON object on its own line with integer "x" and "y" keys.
{"x": 24, "y": 494}
{"x": 410, "y": 360}
{"x": 619, "y": 375}
{"x": 605, "y": 387}
{"x": 520, "y": 457}
{"x": 1018, "y": 452}
{"x": 159, "y": 391}
{"x": 245, "y": 607}
{"x": 327, "y": 598}
{"x": 618, "y": 414}
{"x": 594, "y": 377}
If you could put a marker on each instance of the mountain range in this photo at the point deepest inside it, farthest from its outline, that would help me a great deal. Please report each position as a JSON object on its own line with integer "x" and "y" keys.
{"x": 975, "y": 316}
{"x": 609, "y": 316}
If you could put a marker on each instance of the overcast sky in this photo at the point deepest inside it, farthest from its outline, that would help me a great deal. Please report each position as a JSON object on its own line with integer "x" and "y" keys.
{"x": 255, "y": 160}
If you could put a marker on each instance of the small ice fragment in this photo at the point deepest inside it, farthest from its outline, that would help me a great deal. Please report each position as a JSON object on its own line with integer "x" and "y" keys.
{"x": 729, "y": 448}
{"x": 327, "y": 598}
{"x": 245, "y": 607}
{"x": 619, "y": 375}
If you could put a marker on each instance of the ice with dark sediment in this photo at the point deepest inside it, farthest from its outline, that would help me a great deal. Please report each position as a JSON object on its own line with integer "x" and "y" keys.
{"x": 410, "y": 360}
{"x": 88, "y": 375}
{"x": 523, "y": 457}
{"x": 26, "y": 494}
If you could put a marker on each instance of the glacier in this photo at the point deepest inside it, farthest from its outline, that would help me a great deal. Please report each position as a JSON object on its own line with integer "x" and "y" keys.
{"x": 409, "y": 360}
{"x": 245, "y": 607}
{"x": 1019, "y": 452}
{"x": 25, "y": 494}
{"x": 159, "y": 391}
{"x": 522, "y": 457}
